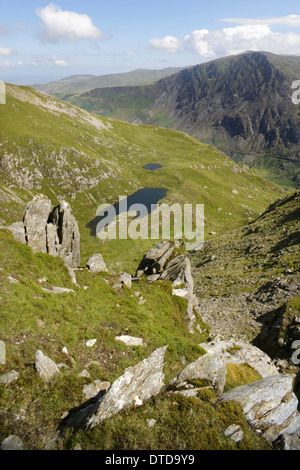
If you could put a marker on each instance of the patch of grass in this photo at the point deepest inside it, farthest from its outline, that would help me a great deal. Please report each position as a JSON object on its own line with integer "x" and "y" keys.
{"x": 181, "y": 424}
{"x": 240, "y": 374}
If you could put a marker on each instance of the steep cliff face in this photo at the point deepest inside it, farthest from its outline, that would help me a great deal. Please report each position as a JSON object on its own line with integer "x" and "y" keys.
{"x": 243, "y": 104}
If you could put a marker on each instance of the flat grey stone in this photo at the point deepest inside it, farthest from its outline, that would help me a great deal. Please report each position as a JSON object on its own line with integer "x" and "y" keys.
{"x": 12, "y": 443}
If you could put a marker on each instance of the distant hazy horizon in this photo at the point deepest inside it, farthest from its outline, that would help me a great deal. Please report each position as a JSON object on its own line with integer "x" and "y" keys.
{"x": 42, "y": 41}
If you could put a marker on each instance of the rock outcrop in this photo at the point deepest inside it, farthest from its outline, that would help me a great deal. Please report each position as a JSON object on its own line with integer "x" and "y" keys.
{"x": 270, "y": 406}
{"x": 281, "y": 328}
{"x": 158, "y": 264}
{"x": 49, "y": 231}
{"x": 239, "y": 352}
{"x": 35, "y": 222}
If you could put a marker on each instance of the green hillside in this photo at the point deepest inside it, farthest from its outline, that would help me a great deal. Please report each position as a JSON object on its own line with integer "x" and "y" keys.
{"x": 51, "y": 147}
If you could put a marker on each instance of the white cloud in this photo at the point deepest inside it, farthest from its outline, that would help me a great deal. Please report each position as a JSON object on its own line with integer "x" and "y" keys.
{"x": 5, "y": 51}
{"x": 168, "y": 44}
{"x": 230, "y": 41}
{"x": 255, "y": 37}
{"x": 60, "y": 25}
{"x": 290, "y": 20}
{"x": 8, "y": 64}
{"x": 59, "y": 62}
{"x": 198, "y": 42}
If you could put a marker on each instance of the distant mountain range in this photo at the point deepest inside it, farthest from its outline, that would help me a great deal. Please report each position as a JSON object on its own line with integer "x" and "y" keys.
{"x": 240, "y": 104}
{"x": 81, "y": 83}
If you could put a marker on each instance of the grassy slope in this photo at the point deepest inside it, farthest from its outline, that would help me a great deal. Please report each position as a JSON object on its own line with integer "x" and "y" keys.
{"x": 32, "y": 319}
{"x": 53, "y": 148}
{"x": 41, "y": 150}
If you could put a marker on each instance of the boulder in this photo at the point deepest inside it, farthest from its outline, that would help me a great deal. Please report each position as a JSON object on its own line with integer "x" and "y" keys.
{"x": 45, "y": 367}
{"x": 143, "y": 381}
{"x": 269, "y": 405}
{"x": 156, "y": 265}
{"x": 238, "y": 352}
{"x": 130, "y": 340}
{"x": 179, "y": 272}
{"x": 154, "y": 260}
{"x": 210, "y": 367}
{"x": 9, "y": 378}
{"x": 96, "y": 264}
{"x": 12, "y": 442}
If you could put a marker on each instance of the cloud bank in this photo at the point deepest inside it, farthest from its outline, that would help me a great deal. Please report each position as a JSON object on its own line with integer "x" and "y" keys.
{"x": 229, "y": 41}
{"x": 60, "y": 25}
{"x": 290, "y": 20}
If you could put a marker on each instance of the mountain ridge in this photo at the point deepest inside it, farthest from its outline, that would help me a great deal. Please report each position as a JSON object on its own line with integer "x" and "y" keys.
{"x": 240, "y": 104}
{"x": 75, "y": 84}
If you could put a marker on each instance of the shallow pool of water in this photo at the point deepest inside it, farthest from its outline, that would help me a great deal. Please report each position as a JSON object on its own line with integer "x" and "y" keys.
{"x": 152, "y": 166}
{"x": 145, "y": 196}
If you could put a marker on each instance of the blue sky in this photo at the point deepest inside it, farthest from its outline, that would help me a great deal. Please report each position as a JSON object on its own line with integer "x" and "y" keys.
{"x": 42, "y": 40}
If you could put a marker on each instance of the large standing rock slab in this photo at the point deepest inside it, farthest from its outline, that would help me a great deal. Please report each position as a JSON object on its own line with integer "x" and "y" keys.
{"x": 35, "y": 220}
{"x": 269, "y": 405}
{"x": 209, "y": 367}
{"x": 179, "y": 271}
{"x": 145, "y": 380}
{"x": 138, "y": 383}
{"x": 49, "y": 231}
{"x": 68, "y": 247}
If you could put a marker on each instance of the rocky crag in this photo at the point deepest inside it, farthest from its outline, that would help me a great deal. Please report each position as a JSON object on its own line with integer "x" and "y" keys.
{"x": 49, "y": 230}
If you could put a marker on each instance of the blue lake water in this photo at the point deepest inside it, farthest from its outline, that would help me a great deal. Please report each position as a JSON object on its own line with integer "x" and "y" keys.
{"x": 152, "y": 166}
{"x": 145, "y": 196}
